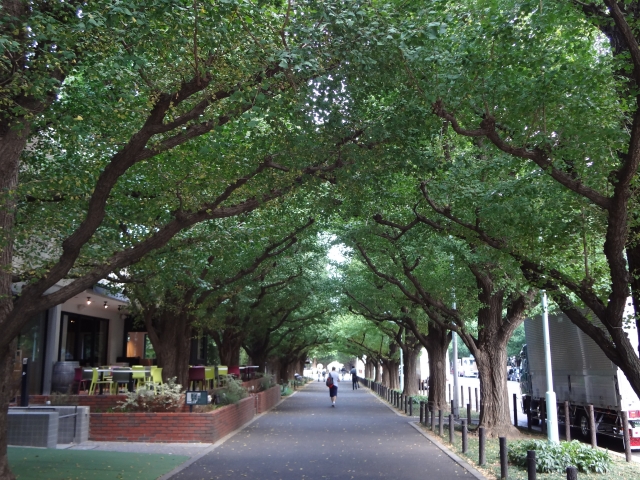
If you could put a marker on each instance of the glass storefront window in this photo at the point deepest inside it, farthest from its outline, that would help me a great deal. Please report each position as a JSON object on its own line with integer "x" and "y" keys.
{"x": 84, "y": 339}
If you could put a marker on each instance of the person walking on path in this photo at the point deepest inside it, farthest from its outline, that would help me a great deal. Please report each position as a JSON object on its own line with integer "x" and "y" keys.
{"x": 333, "y": 385}
{"x": 354, "y": 378}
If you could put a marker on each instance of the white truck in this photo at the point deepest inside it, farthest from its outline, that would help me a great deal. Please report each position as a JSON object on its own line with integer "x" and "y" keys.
{"x": 582, "y": 376}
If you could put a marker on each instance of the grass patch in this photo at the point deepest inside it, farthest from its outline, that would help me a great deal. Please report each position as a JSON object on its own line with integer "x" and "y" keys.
{"x": 50, "y": 464}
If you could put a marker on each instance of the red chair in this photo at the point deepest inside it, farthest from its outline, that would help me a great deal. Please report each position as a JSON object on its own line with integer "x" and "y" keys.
{"x": 79, "y": 378}
{"x": 196, "y": 377}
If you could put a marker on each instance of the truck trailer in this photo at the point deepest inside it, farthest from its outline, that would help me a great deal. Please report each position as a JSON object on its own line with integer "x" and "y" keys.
{"x": 582, "y": 375}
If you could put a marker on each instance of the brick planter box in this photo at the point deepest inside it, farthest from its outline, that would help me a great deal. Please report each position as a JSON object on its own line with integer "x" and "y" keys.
{"x": 268, "y": 399}
{"x": 171, "y": 427}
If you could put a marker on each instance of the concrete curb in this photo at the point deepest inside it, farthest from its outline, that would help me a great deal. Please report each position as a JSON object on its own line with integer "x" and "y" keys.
{"x": 442, "y": 447}
{"x": 207, "y": 451}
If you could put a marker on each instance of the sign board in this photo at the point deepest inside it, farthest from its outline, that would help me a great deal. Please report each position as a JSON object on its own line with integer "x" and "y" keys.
{"x": 196, "y": 398}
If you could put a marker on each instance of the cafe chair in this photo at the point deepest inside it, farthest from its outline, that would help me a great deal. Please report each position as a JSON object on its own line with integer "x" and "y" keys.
{"x": 95, "y": 381}
{"x": 139, "y": 375}
{"x": 121, "y": 377}
{"x": 81, "y": 379}
{"x": 156, "y": 377}
{"x": 209, "y": 376}
{"x": 196, "y": 377}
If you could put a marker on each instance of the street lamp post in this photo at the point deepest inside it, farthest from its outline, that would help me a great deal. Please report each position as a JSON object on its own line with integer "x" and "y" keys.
{"x": 552, "y": 411}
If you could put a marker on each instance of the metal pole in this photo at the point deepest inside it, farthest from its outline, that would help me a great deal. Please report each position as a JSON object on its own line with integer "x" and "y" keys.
{"x": 433, "y": 418}
{"x": 515, "y": 410}
{"x": 592, "y": 426}
{"x": 572, "y": 473}
{"x": 627, "y": 439}
{"x": 503, "y": 457}
{"x": 531, "y": 465}
{"x": 451, "y": 429}
{"x": 482, "y": 440}
{"x": 567, "y": 422}
{"x": 550, "y": 397}
{"x": 440, "y": 423}
{"x": 456, "y": 402}
{"x": 401, "y": 368}
{"x": 464, "y": 436}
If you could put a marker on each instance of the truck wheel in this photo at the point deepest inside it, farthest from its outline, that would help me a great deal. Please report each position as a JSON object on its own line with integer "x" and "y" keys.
{"x": 582, "y": 422}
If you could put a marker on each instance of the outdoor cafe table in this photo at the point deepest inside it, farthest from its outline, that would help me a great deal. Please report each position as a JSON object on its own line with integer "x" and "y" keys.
{"x": 102, "y": 371}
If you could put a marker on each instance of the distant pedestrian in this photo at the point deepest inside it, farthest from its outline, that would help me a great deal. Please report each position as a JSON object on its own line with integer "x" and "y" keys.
{"x": 333, "y": 385}
{"x": 354, "y": 378}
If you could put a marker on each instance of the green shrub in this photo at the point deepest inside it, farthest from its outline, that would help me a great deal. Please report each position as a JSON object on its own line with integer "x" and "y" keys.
{"x": 153, "y": 397}
{"x": 552, "y": 457}
{"x": 266, "y": 382}
{"x": 286, "y": 391}
{"x": 233, "y": 392}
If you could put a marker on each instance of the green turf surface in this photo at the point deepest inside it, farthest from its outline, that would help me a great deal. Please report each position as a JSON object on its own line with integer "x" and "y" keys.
{"x": 49, "y": 464}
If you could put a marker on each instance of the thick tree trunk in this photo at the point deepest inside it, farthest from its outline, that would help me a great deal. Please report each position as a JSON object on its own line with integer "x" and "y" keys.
{"x": 366, "y": 369}
{"x": 437, "y": 351}
{"x": 284, "y": 368}
{"x": 410, "y": 372}
{"x": 494, "y": 395}
{"x": 378, "y": 377}
{"x": 392, "y": 368}
{"x": 12, "y": 143}
{"x": 171, "y": 340}
{"x": 229, "y": 353}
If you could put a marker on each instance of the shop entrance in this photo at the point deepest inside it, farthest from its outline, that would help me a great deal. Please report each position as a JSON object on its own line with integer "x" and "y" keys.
{"x": 84, "y": 339}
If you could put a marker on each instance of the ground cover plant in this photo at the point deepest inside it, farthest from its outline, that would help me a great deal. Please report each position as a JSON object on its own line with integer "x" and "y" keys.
{"x": 616, "y": 467}
{"x": 557, "y": 457}
{"x": 232, "y": 393}
{"x": 153, "y": 397}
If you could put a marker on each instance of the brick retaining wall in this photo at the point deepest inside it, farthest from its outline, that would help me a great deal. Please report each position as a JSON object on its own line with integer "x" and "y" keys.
{"x": 171, "y": 427}
{"x": 267, "y": 399}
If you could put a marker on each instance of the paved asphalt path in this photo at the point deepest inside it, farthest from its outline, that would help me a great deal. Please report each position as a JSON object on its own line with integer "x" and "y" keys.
{"x": 305, "y": 438}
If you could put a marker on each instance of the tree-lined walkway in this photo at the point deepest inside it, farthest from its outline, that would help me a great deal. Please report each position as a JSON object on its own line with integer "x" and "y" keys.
{"x": 305, "y": 437}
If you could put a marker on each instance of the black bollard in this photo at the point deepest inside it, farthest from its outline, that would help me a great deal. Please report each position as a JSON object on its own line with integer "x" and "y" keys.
{"x": 433, "y": 418}
{"x": 422, "y": 413}
{"x": 572, "y": 473}
{"x": 411, "y": 406}
{"x": 503, "y": 458}
{"x": 440, "y": 423}
{"x": 515, "y": 410}
{"x": 451, "y": 402}
{"x": 543, "y": 416}
{"x": 468, "y": 414}
{"x": 451, "y": 429}
{"x": 567, "y": 422}
{"x": 464, "y": 436}
{"x": 406, "y": 404}
{"x": 482, "y": 444}
{"x": 531, "y": 465}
